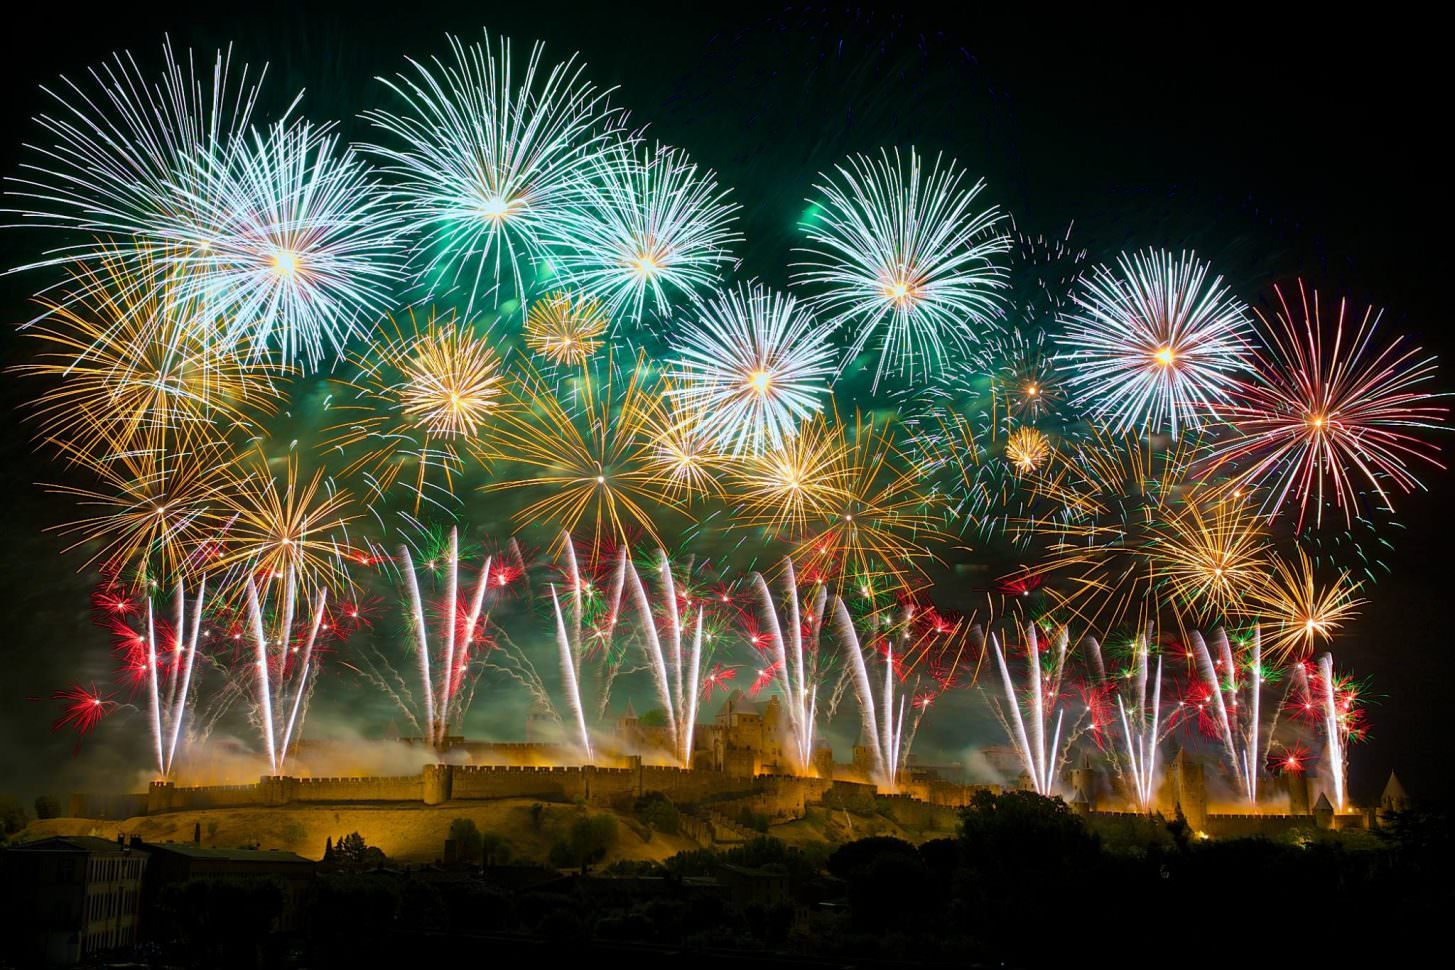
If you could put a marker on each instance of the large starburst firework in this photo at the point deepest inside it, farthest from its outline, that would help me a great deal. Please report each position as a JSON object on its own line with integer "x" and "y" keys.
{"x": 903, "y": 256}
{"x": 1299, "y": 612}
{"x": 1210, "y": 555}
{"x": 1329, "y": 410}
{"x": 127, "y": 159}
{"x": 783, "y": 489}
{"x": 1154, "y": 345}
{"x": 295, "y": 245}
{"x": 486, "y": 158}
{"x": 755, "y": 365}
{"x": 584, "y": 447}
{"x": 646, "y": 224}
{"x": 149, "y": 517}
{"x": 283, "y": 526}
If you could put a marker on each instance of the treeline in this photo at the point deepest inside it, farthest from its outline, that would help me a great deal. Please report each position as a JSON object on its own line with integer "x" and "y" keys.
{"x": 1026, "y": 882}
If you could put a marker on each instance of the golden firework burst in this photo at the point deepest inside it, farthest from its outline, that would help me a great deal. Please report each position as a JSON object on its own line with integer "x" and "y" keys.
{"x": 1027, "y": 449}
{"x": 783, "y": 489}
{"x": 685, "y": 455}
{"x": 149, "y": 516}
{"x": 1211, "y": 554}
{"x": 877, "y": 521}
{"x": 1098, "y": 508}
{"x": 586, "y": 443}
{"x": 1297, "y": 611}
{"x": 279, "y": 523}
{"x": 421, "y": 405}
{"x": 133, "y": 367}
{"x": 565, "y": 328}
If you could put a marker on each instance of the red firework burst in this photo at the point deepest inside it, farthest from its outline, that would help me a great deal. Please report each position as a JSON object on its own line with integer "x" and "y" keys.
{"x": 1328, "y": 412}
{"x": 85, "y": 707}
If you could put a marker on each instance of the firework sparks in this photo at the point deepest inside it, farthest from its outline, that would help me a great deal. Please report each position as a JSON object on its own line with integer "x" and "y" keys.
{"x": 299, "y": 249}
{"x": 150, "y": 514}
{"x": 128, "y": 158}
{"x": 585, "y": 444}
{"x": 796, "y": 658}
{"x": 488, "y": 157}
{"x": 1299, "y": 611}
{"x": 1155, "y": 347}
{"x": 1027, "y": 449}
{"x": 425, "y": 396}
{"x": 565, "y": 328}
{"x": 784, "y": 489}
{"x": 901, "y": 254}
{"x": 755, "y": 365}
{"x": 282, "y": 667}
{"x": 1042, "y": 749}
{"x": 1326, "y": 411}
{"x": 131, "y": 371}
{"x": 443, "y": 671}
{"x": 85, "y": 707}
{"x": 282, "y": 525}
{"x": 644, "y": 226}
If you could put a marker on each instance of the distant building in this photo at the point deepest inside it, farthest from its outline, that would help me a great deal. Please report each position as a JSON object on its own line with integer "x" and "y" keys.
{"x": 71, "y": 897}
{"x": 173, "y": 863}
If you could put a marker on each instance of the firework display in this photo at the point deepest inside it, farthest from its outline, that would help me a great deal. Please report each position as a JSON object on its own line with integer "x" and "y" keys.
{"x": 902, "y": 255}
{"x": 585, "y": 462}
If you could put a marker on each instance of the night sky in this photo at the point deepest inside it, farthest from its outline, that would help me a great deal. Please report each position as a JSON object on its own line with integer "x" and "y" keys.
{"x": 1275, "y": 149}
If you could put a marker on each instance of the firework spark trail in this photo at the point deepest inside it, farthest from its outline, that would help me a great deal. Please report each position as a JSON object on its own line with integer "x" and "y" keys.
{"x": 1332, "y": 729}
{"x": 1208, "y": 672}
{"x": 180, "y": 695}
{"x": 653, "y": 643}
{"x": 678, "y": 698}
{"x": 305, "y": 667}
{"x": 568, "y": 675}
{"x": 155, "y": 705}
{"x": 1041, "y": 763}
{"x": 1140, "y": 732}
{"x": 799, "y": 683}
{"x": 882, "y": 726}
{"x": 273, "y": 692}
{"x": 440, "y": 690}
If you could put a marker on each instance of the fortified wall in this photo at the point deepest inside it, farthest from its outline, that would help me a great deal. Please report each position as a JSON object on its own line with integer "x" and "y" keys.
{"x": 775, "y": 795}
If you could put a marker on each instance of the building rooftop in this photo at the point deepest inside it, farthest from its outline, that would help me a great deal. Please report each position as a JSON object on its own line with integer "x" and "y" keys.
{"x": 193, "y": 851}
{"x": 74, "y": 843}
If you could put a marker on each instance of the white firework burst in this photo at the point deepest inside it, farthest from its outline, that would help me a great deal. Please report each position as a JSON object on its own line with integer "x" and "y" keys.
{"x": 646, "y": 223}
{"x": 295, "y": 245}
{"x": 903, "y": 256}
{"x": 755, "y": 364}
{"x": 125, "y": 158}
{"x": 1156, "y": 346}
{"x": 487, "y": 157}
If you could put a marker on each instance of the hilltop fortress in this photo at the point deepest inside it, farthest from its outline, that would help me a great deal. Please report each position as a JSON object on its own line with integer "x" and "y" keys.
{"x": 738, "y": 763}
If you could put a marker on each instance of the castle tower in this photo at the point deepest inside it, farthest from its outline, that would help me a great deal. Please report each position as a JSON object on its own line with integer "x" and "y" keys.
{"x": 1324, "y": 812}
{"x": 1190, "y": 790}
{"x": 1393, "y": 801}
{"x": 823, "y": 762}
{"x": 627, "y": 733}
{"x": 1083, "y": 786}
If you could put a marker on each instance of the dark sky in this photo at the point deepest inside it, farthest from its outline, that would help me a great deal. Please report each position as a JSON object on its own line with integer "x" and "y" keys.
{"x": 1275, "y": 148}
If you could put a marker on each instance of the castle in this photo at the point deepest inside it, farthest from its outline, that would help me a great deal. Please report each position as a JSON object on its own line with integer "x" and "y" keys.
{"x": 738, "y": 759}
